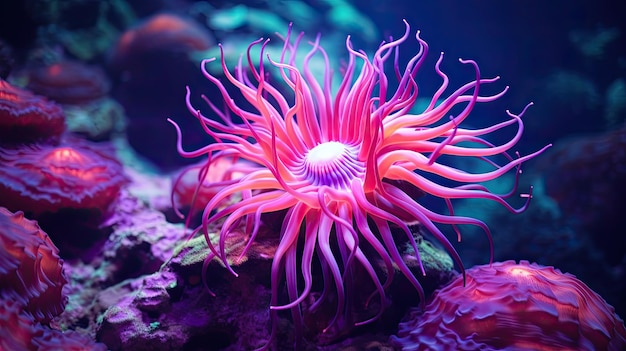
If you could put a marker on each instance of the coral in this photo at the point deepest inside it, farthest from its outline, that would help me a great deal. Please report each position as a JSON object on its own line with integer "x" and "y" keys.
{"x": 514, "y": 306}
{"x": 25, "y": 117}
{"x": 97, "y": 120}
{"x": 138, "y": 321}
{"x": 20, "y": 332}
{"x": 345, "y": 168}
{"x": 16, "y": 328}
{"x": 141, "y": 241}
{"x": 43, "y": 178}
{"x": 30, "y": 266}
{"x": 69, "y": 82}
{"x": 54, "y": 340}
{"x": 222, "y": 172}
{"x": 158, "y": 44}
{"x": 159, "y": 32}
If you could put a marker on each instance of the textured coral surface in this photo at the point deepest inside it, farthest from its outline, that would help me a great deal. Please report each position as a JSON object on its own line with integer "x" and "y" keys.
{"x": 43, "y": 178}
{"x": 30, "y": 267}
{"x": 511, "y": 306}
{"x": 27, "y": 117}
{"x": 69, "y": 82}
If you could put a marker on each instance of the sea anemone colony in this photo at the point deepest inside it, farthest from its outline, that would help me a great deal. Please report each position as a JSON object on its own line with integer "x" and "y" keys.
{"x": 514, "y": 306}
{"x": 342, "y": 165}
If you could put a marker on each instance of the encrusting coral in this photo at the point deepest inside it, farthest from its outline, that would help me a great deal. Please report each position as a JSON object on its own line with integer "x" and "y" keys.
{"x": 69, "y": 82}
{"x": 26, "y": 117}
{"x": 42, "y": 178}
{"x": 514, "y": 306}
{"x": 30, "y": 266}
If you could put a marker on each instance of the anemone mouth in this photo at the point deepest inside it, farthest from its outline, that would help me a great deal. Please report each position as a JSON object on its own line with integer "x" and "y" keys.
{"x": 333, "y": 164}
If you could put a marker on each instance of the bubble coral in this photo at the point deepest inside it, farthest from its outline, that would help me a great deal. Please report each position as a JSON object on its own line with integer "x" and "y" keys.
{"x": 26, "y": 117}
{"x": 331, "y": 161}
{"x": 43, "y": 178}
{"x": 30, "y": 266}
{"x": 69, "y": 82}
{"x": 514, "y": 306}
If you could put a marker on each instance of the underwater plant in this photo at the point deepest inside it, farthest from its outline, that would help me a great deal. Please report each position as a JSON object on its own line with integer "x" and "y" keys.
{"x": 343, "y": 164}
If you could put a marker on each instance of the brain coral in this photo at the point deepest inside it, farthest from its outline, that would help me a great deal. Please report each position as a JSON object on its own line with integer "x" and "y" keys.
{"x": 30, "y": 266}
{"x": 511, "y": 306}
{"x": 43, "y": 178}
{"x": 26, "y": 117}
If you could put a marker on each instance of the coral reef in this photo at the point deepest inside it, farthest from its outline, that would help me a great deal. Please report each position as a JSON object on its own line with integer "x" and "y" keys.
{"x": 514, "y": 306}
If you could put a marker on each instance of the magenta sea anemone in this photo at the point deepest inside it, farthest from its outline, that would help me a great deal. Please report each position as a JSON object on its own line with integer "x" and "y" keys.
{"x": 341, "y": 163}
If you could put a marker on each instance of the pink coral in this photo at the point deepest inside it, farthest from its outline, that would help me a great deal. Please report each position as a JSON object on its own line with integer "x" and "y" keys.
{"x": 196, "y": 185}
{"x": 30, "y": 266}
{"x": 344, "y": 163}
{"x": 159, "y": 32}
{"x": 43, "y": 178}
{"x": 26, "y": 117}
{"x": 69, "y": 82}
{"x": 514, "y": 306}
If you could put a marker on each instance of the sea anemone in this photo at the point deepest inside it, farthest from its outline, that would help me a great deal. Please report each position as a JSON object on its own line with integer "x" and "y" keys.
{"x": 43, "y": 178}
{"x": 342, "y": 165}
{"x": 30, "y": 267}
{"x": 514, "y": 306}
{"x": 26, "y": 117}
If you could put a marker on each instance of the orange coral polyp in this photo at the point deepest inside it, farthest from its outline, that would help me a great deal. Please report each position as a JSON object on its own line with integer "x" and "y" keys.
{"x": 65, "y": 154}
{"x": 69, "y": 162}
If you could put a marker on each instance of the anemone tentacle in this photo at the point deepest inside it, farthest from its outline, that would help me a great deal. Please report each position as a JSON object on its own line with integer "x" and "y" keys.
{"x": 330, "y": 161}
